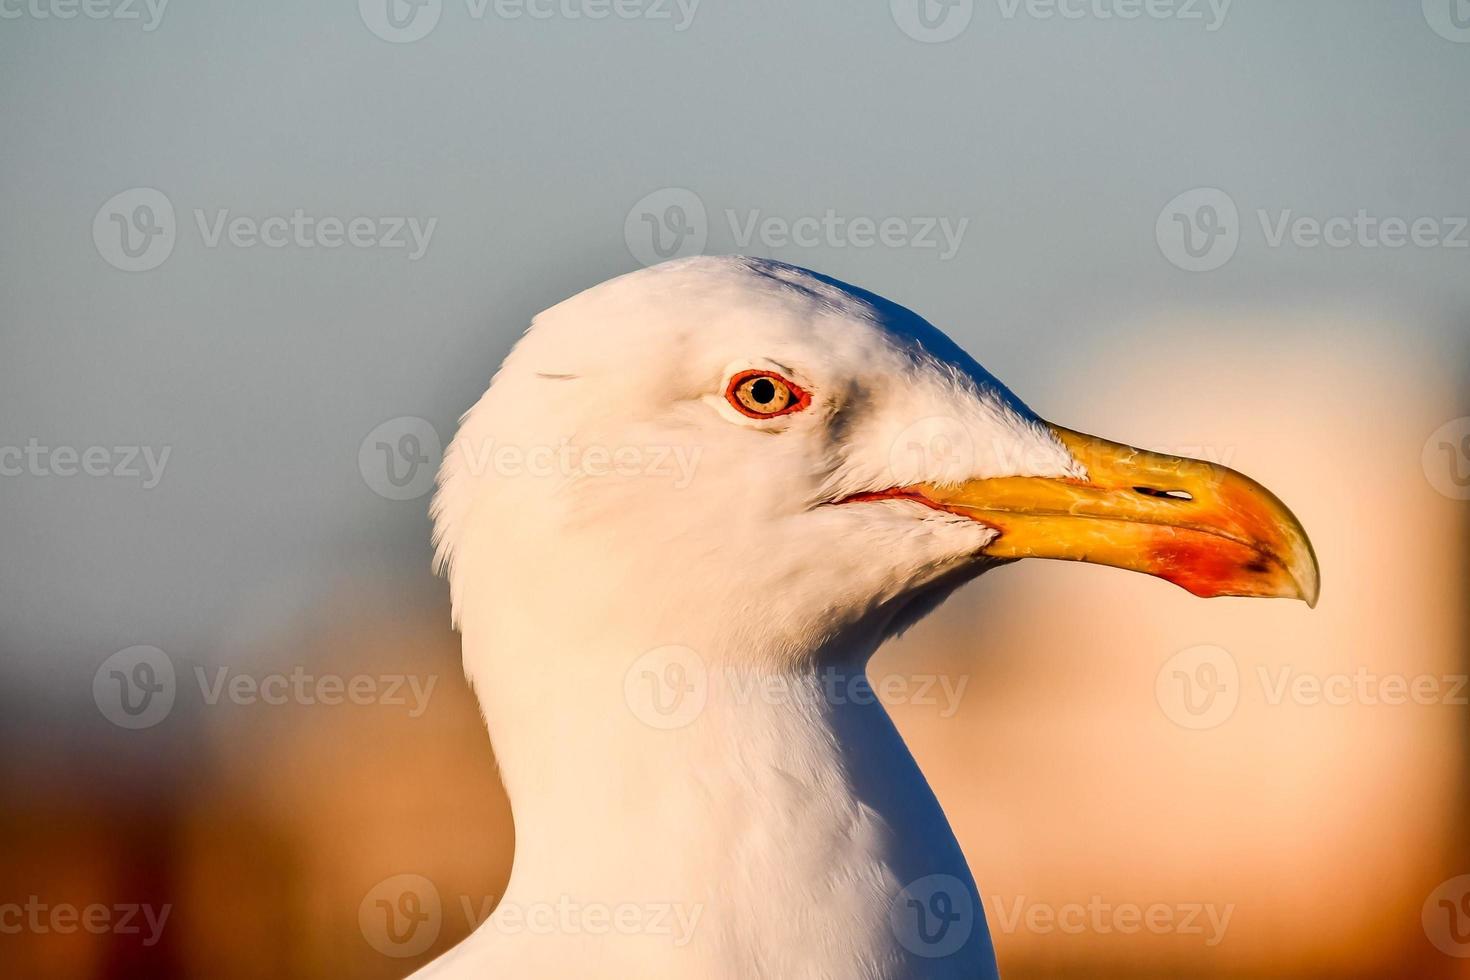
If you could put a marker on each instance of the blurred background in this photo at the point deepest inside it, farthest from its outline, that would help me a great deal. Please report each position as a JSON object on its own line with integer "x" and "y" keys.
{"x": 256, "y": 259}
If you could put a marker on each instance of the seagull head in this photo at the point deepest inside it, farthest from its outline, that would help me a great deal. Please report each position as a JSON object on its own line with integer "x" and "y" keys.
{"x": 806, "y": 465}
{"x": 691, "y": 499}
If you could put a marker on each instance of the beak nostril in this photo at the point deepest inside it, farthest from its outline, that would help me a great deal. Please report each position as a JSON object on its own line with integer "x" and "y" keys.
{"x": 1164, "y": 494}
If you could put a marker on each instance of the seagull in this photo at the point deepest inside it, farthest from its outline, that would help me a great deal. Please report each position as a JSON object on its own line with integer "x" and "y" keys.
{"x": 692, "y": 503}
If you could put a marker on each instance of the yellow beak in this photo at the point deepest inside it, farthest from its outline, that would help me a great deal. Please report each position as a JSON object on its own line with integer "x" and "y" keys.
{"x": 1201, "y": 526}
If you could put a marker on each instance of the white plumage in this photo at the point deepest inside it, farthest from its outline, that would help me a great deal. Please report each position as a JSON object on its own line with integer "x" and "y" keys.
{"x": 596, "y": 588}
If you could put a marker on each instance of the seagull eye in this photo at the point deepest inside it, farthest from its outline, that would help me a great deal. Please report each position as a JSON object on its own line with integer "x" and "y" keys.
{"x": 765, "y": 395}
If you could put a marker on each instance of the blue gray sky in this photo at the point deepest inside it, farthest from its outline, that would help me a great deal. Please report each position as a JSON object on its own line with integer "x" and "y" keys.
{"x": 1018, "y": 183}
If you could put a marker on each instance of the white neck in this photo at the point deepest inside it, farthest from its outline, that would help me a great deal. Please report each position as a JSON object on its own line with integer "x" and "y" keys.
{"x": 768, "y": 836}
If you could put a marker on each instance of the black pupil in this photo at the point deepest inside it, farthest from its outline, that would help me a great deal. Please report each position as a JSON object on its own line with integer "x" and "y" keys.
{"x": 763, "y": 391}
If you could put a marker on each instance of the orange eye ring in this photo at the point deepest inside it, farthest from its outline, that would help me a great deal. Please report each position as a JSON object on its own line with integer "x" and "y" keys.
{"x": 765, "y": 395}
